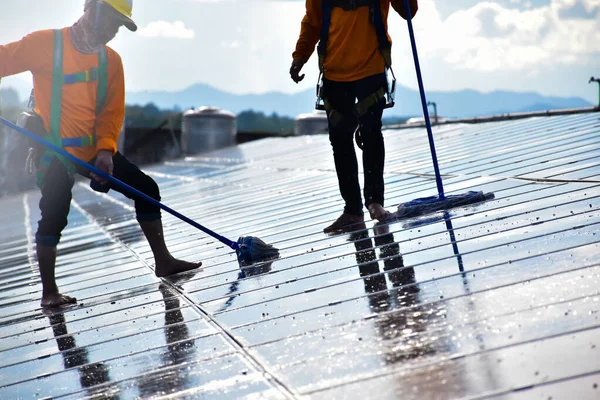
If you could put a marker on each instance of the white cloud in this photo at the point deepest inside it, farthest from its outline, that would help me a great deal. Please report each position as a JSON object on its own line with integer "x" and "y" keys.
{"x": 490, "y": 37}
{"x": 550, "y": 48}
{"x": 166, "y": 29}
{"x": 234, "y": 44}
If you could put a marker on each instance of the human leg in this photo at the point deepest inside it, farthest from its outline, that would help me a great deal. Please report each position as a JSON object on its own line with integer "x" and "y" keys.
{"x": 373, "y": 146}
{"x": 342, "y": 124}
{"x": 54, "y": 207}
{"x": 148, "y": 216}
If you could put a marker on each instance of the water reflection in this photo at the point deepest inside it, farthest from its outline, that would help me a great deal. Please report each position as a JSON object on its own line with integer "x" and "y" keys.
{"x": 445, "y": 216}
{"x": 393, "y": 295}
{"x": 457, "y": 254}
{"x": 409, "y": 332}
{"x": 180, "y": 350}
{"x": 90, "y": 375}
{"x": 249, "y": 271}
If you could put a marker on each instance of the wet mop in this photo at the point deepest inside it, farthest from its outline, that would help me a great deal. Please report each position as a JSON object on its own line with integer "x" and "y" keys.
{"x": 431, "y": 204}
{"x": 248, "y": 249}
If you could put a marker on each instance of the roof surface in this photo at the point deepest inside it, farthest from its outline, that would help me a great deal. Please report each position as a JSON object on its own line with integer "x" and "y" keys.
{"x": 494, "y": 299}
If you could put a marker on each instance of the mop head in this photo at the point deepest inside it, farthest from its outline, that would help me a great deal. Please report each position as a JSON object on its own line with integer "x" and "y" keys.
{"x": 252, "y": 249}
{"x": 431, "y": 204}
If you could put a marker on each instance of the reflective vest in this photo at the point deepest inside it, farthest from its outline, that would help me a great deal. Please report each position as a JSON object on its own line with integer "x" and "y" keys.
{"x": 97, "y": 74}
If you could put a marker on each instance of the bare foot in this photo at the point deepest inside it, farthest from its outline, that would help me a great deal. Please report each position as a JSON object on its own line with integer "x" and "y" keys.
{"x": 377, "y": 212}
{"x": 343, "y": 222}
{"x": 56, "y": 300}
{"x": 174, "y": 266}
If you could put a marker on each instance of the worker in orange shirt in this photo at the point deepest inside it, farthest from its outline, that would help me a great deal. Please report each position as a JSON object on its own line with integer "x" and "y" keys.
{"x": 354, "y": 51}
{"x": 80, "y": 105}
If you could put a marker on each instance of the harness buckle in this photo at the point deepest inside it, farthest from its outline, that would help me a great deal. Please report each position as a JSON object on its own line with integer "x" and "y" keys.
{"x": 348, "y": 5}
{"x": 92, "y": 75}
{"x": 320, "y": 104}
{"x": 390, "y": 89}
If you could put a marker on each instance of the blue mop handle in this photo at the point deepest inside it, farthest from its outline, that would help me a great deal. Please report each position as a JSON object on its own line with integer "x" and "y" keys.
{"x": 438, "y": 178}
{"x": 122, "y": 185}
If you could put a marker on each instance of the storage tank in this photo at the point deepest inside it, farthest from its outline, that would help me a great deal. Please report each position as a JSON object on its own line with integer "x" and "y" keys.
{"x": 311, "y": 124}
{"x": 206, "y": 129}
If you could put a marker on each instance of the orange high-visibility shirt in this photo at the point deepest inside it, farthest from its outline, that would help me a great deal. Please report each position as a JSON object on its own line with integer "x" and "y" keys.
{"x": 352, "y": 47}
{"x": 78, "y": 110}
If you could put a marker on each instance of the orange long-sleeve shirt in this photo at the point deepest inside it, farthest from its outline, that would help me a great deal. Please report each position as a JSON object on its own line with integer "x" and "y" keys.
{"x": 352, "y": 48}
{"x": 78, "y": 110}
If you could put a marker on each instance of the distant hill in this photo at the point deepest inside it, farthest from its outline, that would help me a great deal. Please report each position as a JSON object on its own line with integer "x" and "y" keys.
{"x": 451, "y": 104}
{"x": 464, "y": 103}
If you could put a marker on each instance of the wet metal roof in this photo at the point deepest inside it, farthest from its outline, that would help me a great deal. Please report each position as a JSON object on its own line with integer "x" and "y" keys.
{"x": 499, "y": 299}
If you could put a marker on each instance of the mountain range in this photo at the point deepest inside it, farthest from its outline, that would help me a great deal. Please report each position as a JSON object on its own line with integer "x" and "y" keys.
{"x": 450, "y": 104}
{"x": 456, "y": 104}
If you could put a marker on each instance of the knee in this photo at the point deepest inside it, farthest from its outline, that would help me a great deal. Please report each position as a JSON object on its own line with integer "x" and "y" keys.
{"x": 370, "y": 131}
{"x": 48, "y": 241}
{"x": 146, "y": 211}
{"x": 149, "y": 187}
{"x": 50, "y": 229}
{"x": 371, "y": 122}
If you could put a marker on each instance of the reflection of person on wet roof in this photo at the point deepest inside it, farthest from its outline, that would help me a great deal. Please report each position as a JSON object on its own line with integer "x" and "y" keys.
{"x": 80, "y": 104}
{"x": 354, "y": 50}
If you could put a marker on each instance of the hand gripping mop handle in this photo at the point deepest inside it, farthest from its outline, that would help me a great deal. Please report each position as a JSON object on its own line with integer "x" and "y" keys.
{"x": 438, "y": 178}
{"x": 118, "y": 183}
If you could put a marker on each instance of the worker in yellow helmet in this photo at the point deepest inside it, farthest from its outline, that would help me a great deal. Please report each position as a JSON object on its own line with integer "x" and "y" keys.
{"x": 123, "y": 8}
{"x": 79, "y": 91}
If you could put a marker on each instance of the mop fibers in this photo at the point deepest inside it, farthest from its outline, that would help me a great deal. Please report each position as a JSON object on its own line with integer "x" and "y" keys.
{"x": 252, "y": 249}
{"x": 430, "y": 204}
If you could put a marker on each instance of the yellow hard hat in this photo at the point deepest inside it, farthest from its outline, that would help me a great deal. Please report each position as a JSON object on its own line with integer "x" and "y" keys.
{"x": 123, "y": 10}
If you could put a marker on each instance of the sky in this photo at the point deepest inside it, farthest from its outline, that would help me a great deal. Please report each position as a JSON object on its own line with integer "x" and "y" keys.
{"x": 551, "y": 47}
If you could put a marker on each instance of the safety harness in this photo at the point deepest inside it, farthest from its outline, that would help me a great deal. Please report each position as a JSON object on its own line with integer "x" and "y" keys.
{"x": 98, "y": 74}
{"x": 376, "y": 18}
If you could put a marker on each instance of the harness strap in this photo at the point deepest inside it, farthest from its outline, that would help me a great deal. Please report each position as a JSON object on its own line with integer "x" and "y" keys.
{"x": 385, "y": 47}
{"x": 86, "y": 76}
{"x": 83, "y": 141}
{"x": 363, "y": 106}
{"x": 326, "y": 8}
{"x": 351, "y": 5}
{"x": 335, "y": 117}
{"x": 102, "y": 80}
{"x": 57, "y": 83}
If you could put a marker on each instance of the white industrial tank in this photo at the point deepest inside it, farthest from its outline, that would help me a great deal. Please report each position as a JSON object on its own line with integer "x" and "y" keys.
{"x": 311, "y": 124}
{"x": 206, "y": 129}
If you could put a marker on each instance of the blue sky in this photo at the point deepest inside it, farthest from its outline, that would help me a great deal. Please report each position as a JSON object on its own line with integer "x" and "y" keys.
{"x": 244, "y": 46}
